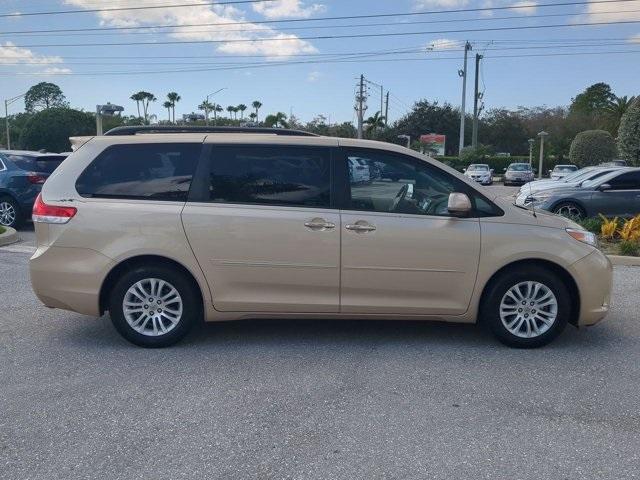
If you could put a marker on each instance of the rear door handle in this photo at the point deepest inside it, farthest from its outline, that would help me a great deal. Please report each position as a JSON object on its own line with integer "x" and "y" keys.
{"x": 319, "y": 224}
{"x": 357, "y": 227}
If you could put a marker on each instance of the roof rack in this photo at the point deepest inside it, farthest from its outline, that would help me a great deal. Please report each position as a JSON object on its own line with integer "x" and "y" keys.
{"x": 133, "y": 130}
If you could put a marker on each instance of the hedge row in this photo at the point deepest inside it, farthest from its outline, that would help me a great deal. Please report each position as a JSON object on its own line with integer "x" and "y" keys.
{"x": 498, "y": 163}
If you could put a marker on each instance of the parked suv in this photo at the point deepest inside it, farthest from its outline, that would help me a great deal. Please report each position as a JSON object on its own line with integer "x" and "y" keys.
{"x": 163, "y": 229}
{"x": 22, "y": 174}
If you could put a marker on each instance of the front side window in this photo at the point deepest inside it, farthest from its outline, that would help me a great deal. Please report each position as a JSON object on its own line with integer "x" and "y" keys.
{"x": 400, "y": 184}
{"x": 626, "y": 181}
{"x": 271, "y": 175}
{"x": 156, "y": 171}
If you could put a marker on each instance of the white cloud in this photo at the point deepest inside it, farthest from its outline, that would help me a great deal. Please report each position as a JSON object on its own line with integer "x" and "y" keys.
{"x": 526, "y": 8}
{"x": 55, "y": 71}
{"x": 422, "y": 4}
{"x": 444, "y": 44}
{"x": 278, "y": 44}
{"x": 313, "y": 76}
{"x": 288, "y": 9}
{"x": 635, "y": 39}
{"x": 611, "y": 12}
{"x": 9, "y": 53}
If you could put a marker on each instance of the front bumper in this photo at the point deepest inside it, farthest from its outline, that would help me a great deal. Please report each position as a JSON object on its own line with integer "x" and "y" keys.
{"x": 593, "y": 275}
{"x": 517, "y": 181}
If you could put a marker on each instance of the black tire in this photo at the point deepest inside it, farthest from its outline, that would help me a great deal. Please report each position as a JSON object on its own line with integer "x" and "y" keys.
{"x": 191, "y": 305}
{"x": 17, "y": 221}
{"x": 490, "y": 309}
{"x": 563, "y": 208}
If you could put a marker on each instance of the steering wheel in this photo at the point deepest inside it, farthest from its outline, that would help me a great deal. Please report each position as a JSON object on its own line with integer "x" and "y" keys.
{"x": 405, "y": 191}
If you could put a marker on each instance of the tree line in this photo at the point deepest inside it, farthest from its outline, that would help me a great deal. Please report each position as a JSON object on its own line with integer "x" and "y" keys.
{"x": 613, "y": 118}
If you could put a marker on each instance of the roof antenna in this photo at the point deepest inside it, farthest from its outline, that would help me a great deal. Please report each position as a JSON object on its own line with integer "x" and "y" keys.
{"x": 533, "y": 203}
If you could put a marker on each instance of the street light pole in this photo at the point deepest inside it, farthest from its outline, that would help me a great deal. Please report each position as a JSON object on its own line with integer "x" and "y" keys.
{"x": 211, "y": 95}
{"x": 542, "y": 136}
{"x": 108, "y": 109}
{"x": 531, "y": 143}
{"x": 8, "y": 102}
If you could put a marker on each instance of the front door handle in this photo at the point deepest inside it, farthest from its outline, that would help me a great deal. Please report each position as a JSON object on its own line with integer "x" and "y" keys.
{"x": 361, "y": 227}
{"x": 319, "y": 224}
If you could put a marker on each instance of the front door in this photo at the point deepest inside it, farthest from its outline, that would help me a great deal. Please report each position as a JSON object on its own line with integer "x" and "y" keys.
{"x": 402, "y": 253}
{"x": 266, "y": 236}
{"x": 621, "y": 199}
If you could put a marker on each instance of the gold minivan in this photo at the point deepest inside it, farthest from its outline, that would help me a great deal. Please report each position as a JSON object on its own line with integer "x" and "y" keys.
{"x": 163, "y": 227}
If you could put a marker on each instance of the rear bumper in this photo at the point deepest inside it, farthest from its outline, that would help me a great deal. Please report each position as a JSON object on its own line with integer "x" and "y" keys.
{"x": 594, "y": 276}
{"x": 69, "y": 278}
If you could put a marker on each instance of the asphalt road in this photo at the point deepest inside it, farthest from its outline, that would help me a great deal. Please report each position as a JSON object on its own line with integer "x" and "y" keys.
{"x": 314, "y": 399}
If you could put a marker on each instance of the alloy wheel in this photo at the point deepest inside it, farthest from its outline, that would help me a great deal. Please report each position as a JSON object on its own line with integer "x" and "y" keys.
{"x": 152, "y": 307}
{"x": 569, "y": 210}
{"x": 7, "y": 214}
{"x": 528, "y": 309}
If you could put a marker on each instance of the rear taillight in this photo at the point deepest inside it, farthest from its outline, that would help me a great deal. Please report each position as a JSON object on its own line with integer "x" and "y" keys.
{"x": 44, "y": 213}
{"x": 36, "y": 179}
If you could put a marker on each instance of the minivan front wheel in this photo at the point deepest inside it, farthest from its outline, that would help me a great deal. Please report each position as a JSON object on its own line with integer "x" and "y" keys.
{"x": 153, "y": 306}
{"x": 527, "y": 308}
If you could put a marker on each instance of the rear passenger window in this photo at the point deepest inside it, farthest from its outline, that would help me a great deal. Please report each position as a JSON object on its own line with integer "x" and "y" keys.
{"x": 156, "y": 171}
{"x": 293, "y": 176}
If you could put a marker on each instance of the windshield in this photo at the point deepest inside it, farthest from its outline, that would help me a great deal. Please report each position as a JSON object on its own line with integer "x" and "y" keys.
{"x": 564, "y": 168}
{"x": 41, "y": 163}
{"x": 519, "y": 167}
{"x": 478, "y": 168}
{"x": 579, "y": 175}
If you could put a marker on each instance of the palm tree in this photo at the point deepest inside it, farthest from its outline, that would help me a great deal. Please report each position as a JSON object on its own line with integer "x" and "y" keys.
{"x": 147, "y": 97}
{"x": 231, "y": 109}
{"x": 615, "y": 110}
{"x": 277, "y": 120}
{"x": 242, "y": 107}
{"x": 217, "y": 108}
{"x": 375, "y": 122}
{"x": 137, "y": 97}
{"x": 253, "y": 116}
{"x": 256, "y": 104}
{"x": 174, "y": 98}
{"x": 206, "y": 106}
{"x": 168, "y": 106}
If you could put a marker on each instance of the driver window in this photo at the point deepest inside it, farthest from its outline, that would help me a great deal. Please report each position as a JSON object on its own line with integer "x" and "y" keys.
{"x": 387, "y": 182}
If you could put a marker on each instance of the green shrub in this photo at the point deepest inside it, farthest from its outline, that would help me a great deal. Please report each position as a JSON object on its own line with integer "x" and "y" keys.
{"x": 593, "y": 224}
{"x": 2, "y": 229}
{"x": 629, "y": 133}
{"x": 630, "y": 248}
{"x": 592, "y": 147}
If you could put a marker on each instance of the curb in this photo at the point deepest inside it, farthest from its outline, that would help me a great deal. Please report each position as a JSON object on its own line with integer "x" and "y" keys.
{"x": 8, "y": 237}
{"x": 623, "y": 260}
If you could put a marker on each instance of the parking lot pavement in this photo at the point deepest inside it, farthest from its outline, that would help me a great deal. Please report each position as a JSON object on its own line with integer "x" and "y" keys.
{"x": 314, "y": 399}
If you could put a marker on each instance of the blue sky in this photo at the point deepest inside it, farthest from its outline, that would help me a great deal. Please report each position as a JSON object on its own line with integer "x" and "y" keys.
{"x": 514, "y": 72}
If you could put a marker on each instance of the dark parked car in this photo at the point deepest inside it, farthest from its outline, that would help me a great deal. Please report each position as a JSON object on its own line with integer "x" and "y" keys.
{"x": 614, "y": 194}
{"x": 22, "y": 174}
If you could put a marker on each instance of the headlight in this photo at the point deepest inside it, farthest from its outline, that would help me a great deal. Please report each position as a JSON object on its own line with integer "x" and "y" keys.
{"x": 584, "y": 236}
{"x": 538, "y": 197}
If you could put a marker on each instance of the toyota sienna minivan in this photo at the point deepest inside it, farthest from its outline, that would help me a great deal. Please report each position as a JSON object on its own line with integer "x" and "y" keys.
{"x": 162, "y": 228}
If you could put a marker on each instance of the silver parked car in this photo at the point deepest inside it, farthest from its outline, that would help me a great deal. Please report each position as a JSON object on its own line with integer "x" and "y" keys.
{"x": 518, "y": 174}
{"x": 614, "y": 194}
{"x": 480, "y": 172}
{"x": 561, "y": 171}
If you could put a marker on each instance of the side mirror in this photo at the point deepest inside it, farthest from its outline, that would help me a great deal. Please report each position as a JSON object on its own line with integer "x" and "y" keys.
{"x": 459, "y": 204}
{"x": 550, "y": 172}
{"x": 491, "y": 171}
{"x": 504, "y": 169}
{"x": 604, "y": 187}
{"x": 464, "y": 170}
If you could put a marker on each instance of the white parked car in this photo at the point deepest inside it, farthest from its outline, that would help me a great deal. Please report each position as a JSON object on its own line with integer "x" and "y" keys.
{"x": 561, "y": 171}
{"x": 480, "y": 172}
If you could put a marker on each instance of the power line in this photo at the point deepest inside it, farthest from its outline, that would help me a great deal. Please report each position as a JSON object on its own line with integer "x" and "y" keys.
{"x": 117, "y": 9}
{"x": 313, "y": 27}
{"x": 341, "y": 17}
{"x": 268, "y": 64}
{"x": 326, "y": 37}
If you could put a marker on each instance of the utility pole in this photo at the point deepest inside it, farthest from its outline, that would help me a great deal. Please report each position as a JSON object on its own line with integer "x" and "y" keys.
{"x": 463, "y": 74}
{"x": 8, "y": 102}
{"x": 386, "y": 110}
{"x": 476, "y": 98}
{"x": 360, "y": 98}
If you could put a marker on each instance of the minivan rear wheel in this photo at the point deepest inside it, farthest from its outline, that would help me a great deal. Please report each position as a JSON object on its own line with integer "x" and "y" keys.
{"x": 527, "y": 308}
{"x": 153, "y": 306}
